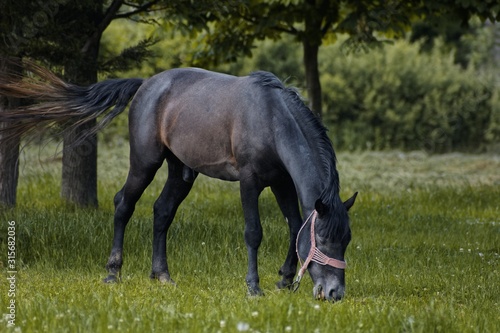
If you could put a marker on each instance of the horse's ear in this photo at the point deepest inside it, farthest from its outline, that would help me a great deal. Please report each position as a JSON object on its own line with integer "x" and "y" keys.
{"x": 320, "y": 207}
{"x": 349, "y": 202}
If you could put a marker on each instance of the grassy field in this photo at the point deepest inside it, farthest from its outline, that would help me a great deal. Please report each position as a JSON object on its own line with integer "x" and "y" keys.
{"x": 425, "y": 254}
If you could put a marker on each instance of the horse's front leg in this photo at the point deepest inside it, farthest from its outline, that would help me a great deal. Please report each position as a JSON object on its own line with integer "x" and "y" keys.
{"x": 286, "y": 196}
{"x": 250, "y": 192}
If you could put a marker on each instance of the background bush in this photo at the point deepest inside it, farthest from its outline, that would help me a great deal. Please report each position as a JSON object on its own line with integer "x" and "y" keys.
{"x": 394, "y": 97}
{"x": 400, "y": 98}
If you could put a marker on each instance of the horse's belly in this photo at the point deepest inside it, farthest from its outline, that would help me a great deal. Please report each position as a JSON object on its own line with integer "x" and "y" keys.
{"x": 216, "y": 163}
{"x": 224, "y": 171}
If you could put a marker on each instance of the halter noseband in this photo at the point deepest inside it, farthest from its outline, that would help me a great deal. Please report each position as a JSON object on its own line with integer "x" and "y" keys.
{"x": 315, "y": 254}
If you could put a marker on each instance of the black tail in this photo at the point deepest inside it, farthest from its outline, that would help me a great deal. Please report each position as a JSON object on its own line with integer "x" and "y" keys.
{"x": 55, "y": 102}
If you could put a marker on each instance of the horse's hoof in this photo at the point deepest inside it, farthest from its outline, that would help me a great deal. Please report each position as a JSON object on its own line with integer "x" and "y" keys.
{"x": 284, "y": 284}
{"x": 166, "y": 280}
{"x": 111, "y": 279}
{"x": 163, "y": 278}
{"x": 255, "y": 291}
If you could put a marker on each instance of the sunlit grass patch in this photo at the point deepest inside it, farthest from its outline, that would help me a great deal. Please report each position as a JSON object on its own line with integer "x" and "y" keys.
{"x": 425, "y": 254}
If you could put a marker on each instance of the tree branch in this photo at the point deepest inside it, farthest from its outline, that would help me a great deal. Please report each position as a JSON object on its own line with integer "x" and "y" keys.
{"x": 108, "y": 17}
{"x": 253, "y": 21}
{"x": 138, "y": 9}
{"x": 325, "y": 28}
{"x": 291, "y": 30}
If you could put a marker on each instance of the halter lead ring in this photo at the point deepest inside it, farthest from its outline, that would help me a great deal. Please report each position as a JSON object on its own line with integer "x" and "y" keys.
{"x": 315, "y": 254}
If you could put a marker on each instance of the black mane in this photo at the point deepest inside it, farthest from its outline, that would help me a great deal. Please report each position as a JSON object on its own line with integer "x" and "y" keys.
{"x": 316, "y": 134}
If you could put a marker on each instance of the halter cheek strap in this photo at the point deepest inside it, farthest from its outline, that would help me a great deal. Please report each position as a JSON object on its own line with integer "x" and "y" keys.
{"x": 315, "y": 254}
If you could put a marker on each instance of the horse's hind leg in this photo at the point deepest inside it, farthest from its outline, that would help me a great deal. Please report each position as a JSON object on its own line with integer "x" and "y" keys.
{"x": 286, "y": 196}
{"x": 174, "y": 192}
{"x": 140, "y": 175}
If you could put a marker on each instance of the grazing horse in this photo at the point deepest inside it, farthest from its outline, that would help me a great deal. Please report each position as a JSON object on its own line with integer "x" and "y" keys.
{"x": 249, "y": 129}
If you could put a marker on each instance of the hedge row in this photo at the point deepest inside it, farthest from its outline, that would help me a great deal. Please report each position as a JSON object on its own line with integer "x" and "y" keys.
{"x": 400, "y": 98}
{"x": 395, "y": 97}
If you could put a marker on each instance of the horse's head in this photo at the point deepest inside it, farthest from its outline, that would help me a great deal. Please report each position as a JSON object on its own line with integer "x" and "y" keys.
{"x": 321, "y": 245}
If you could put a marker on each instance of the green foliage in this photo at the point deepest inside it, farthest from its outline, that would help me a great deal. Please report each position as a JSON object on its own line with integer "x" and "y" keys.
{"x": 397, "y": 97}
{"x": 424, "y": 255}
{"x": 283, "y": 58}
{"x": 129, "y": 57}
{"x": 171, "y": 48}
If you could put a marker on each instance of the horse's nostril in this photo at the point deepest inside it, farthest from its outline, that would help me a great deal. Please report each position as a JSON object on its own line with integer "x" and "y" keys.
{"x": 319, "y": 293}
{"x": 334, "y": 294}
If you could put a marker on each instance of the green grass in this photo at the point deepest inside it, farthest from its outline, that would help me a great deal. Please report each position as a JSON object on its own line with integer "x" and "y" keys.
{"x": 424, "y": 255}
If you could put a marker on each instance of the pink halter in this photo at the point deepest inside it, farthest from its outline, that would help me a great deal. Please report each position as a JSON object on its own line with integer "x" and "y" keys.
{"x": 314, "y": 253}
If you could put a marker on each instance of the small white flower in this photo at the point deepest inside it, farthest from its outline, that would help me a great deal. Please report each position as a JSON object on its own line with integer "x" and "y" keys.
{"x": 316, "y": 307}
{"x": 288, "y": 329}
{"x": 222, "y": 323}
{"x": 255, "y": 314}
{"x": 242, "y": 327}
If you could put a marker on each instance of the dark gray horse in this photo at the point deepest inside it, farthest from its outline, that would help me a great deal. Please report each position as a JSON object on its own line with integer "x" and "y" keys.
{"x": 249, "y": 129}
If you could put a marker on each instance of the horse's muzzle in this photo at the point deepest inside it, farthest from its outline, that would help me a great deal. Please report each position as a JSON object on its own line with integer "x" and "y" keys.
{"x": 332, "y": 294}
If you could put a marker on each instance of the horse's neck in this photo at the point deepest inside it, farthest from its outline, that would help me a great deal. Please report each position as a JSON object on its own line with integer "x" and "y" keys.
{"x": 305, "y": 168}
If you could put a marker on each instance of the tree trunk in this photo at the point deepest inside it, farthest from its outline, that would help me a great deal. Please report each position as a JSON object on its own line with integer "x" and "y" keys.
{"x": 79, "y": 172}
{"x": 9, "y": 155}
{"x": 79, "y": 169}
{"x": 312, "y": 76}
